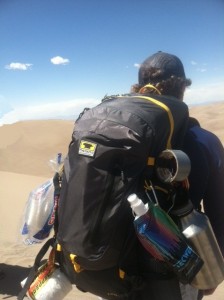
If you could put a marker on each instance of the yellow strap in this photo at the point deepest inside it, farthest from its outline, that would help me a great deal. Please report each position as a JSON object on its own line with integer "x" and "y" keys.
{"x": 151, "y": 87}
{"x": 58, "y": 248}
{"x": 170, "y": 116}
{"x": 121, "y": 274}
{"x": 77, "y": 267}
{"x": 151, "y": 161}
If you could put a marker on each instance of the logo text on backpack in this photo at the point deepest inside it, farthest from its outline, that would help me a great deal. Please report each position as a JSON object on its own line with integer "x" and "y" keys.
{"x": 87, "y": 148}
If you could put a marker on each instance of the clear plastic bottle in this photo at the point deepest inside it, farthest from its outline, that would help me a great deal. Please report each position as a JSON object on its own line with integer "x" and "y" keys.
{"x": 163, "y": 240}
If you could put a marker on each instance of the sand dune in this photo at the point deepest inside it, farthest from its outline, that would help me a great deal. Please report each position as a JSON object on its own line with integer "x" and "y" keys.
{"x": 25, "y": 150}
{"x": 211, "y": 117}
{"x": 27, "y": 146}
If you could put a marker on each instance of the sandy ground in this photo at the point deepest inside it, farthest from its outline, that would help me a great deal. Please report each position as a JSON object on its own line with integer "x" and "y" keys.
{"x": 25, "y": 150}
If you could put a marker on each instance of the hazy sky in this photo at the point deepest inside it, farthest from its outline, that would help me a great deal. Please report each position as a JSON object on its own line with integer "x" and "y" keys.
{"x": 58, "y": 56}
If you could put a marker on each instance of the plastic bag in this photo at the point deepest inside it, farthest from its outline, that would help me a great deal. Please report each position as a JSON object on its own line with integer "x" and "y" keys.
{"x": 39, "y": 214}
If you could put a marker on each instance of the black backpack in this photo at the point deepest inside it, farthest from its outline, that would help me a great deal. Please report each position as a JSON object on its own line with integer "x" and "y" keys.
{"x": 112, "y": 153}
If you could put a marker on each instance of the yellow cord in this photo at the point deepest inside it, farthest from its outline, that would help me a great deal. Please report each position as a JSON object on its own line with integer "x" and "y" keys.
{"x": 142, "y": 90}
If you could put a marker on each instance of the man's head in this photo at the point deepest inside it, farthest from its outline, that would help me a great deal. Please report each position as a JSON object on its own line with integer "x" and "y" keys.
{"x": 160, "y": 66}
{"x": 165, "y": 72}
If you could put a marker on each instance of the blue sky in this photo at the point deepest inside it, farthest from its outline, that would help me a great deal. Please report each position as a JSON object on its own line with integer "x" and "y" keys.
{"x": 59, "y": 56}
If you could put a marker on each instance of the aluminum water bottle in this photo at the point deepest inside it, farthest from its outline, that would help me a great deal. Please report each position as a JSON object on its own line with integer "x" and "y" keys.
{"x": 197, "y": 229}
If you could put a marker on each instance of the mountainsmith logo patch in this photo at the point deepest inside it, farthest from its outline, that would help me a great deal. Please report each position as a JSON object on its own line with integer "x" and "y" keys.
{"x": 87, "y": 148}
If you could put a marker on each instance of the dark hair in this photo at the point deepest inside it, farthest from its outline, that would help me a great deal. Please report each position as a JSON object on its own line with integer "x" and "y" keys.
{"x": 173, "y": 86}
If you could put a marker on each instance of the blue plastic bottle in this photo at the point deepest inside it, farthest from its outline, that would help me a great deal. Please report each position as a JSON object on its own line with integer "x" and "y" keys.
{"x": 163, "y": 240}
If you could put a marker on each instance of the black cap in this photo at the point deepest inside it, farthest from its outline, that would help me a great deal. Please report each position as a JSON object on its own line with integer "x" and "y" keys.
{"x": 160, "y": 66}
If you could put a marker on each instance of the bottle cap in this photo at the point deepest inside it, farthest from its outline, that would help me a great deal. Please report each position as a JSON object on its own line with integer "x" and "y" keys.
{"x": 137, "y": 205}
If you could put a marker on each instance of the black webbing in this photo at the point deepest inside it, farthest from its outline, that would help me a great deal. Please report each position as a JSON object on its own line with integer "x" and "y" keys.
{"x": 35, "y": 267}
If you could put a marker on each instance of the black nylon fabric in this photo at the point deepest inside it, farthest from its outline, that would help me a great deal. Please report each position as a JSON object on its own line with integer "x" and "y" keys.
{"x": 94, "y": 216}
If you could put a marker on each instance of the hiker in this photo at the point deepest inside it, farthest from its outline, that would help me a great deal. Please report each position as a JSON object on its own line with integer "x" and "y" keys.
{"x": 164, "y": 74}
{"x": 113, "y": 154}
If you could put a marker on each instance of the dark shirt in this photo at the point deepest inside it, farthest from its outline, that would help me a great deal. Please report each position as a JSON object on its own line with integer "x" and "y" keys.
{"x": 206, "y": 179}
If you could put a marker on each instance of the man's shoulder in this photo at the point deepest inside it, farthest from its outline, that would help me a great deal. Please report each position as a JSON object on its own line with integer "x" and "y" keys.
{"x": 200, "y": 132}
{"x": 205, "y": 140}
{"x": 204, "y": 134}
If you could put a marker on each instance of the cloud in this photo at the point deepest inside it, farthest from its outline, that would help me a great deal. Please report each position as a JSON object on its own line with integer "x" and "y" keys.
{"x": 18, "y": 66}
{"x": 195, "y": 95}
{"x": 58, "y": 60}
{"x": 136, "y": 65}
{"x": 198, "y": 94}
{"x": 54, "y": 110}
{"x": 202, "y": 70}
{"x": 200, "y": 67}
